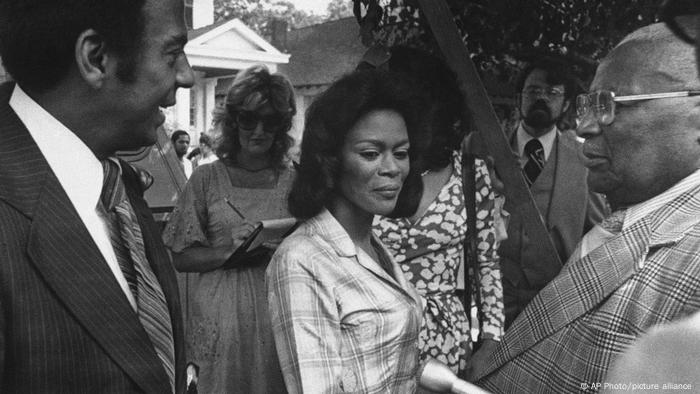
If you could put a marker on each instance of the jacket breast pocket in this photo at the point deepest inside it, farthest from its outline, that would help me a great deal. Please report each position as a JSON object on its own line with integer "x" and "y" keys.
{"x": 601, "y": 336}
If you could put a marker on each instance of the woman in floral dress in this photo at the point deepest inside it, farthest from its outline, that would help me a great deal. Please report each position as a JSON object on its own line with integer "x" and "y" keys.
{"x": 429, "y": 246}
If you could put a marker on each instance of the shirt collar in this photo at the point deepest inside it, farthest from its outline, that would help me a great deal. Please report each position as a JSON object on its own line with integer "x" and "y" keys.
{"x": 642, "y": 209}
{"x": 547, "y": 140}
{"x": 328, "y": 227}
{"x": 76, "y": 167}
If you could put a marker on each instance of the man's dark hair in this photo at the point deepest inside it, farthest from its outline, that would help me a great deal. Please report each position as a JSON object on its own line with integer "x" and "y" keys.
{"x": 37, "y": 37}
{"x": 328, "y": 121}
{"x": 558, "y": 73}
{"x": 176, "y": 134}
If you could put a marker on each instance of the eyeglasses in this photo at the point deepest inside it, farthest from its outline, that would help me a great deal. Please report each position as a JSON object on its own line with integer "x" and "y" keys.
{"x": 601, "y": 104}
{"x": 537, "y": 91}
{"x": 672, "y": 9}
{"x": 249, "y": 120}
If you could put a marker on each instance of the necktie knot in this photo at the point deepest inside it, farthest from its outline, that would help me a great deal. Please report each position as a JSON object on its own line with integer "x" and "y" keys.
{"x": 534, "y": 147}
{"x": 614, "y": 222}
{"x": 112, "y": 187}
{"x": 535, "y": 160}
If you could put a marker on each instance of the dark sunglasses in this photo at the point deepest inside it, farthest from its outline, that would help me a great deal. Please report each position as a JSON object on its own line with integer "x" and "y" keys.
{"x": 249, "y": 120}
{"x": 672, "y": 9}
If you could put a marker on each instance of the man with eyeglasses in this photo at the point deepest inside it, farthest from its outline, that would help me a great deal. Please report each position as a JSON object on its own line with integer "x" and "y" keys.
{"x": 670, "y": 352}
{"x": 549, "y": 159}
{"x": 641, "y": 266}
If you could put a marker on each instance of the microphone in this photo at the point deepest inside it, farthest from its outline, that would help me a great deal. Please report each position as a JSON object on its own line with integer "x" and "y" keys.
{"x": 436, "y": 376}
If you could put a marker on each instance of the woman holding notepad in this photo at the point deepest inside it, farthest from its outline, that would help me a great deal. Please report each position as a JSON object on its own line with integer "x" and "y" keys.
{"x": 229, "y": 330}
{"x": 344, "y": 317}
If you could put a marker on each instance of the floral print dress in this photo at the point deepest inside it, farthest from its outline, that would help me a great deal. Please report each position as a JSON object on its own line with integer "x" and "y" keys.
{"x": 430, "y": 252}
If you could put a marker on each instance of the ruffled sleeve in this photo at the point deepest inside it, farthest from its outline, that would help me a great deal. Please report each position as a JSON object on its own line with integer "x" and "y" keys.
{"x": 188, "y": 222}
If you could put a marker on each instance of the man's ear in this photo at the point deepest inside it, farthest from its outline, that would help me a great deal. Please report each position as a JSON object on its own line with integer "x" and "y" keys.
{"x": 91, "y": 57}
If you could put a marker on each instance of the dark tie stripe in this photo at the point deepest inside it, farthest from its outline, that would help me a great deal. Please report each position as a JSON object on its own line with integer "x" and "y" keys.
{"x": 127, "y": 240}
{"x": 535, "y": 162}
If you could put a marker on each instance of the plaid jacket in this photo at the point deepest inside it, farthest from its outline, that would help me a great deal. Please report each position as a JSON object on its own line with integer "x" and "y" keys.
{"x": 568, "y": 336}
{"x": 341, "y": 322}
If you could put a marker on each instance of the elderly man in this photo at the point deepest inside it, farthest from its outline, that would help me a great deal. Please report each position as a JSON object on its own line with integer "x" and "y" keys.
{"x": 89, "y": 300}
{"x": 641, "y": 266}
{"x": 668, "y": 354}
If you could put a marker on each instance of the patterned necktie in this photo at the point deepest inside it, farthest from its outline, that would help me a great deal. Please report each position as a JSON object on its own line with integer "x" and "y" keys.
{"x": 601, "y": 233}
{"x": 535, "y": 160}
{"x": 127, "y": 241}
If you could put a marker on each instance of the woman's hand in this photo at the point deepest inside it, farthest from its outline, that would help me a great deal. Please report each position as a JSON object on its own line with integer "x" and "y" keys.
{"x": 240, "y": 233}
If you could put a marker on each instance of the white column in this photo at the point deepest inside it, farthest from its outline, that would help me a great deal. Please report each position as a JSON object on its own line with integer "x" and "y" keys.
{"x": 182, "y": 109}
{"x": 209, "y": 103}
{"x": 199, "y": 106}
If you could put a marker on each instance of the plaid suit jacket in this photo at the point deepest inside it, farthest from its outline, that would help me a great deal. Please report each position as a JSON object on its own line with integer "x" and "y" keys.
{"x": 568, "y": 336}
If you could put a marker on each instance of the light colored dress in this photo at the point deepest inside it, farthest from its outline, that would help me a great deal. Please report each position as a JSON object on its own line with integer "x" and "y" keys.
{"x": 229, "y": 336}
{"x": 343, "y": 322}
{"x": 430, "y": 252}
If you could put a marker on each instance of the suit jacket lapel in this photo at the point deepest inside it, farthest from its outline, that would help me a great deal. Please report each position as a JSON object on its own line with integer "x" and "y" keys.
{"x": 569, "y": 175}
{"x": 65, "y": 256}
{"x": 599, "y": 274}
{"x": 71, "y": 264}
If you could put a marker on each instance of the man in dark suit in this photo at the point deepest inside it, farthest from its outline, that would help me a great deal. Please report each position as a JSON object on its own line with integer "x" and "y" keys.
{"x": 549, "y": 159}
{"x": 88, "y": 297}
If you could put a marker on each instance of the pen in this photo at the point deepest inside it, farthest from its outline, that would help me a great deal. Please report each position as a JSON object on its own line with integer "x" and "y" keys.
{"x": 234, "y": 208}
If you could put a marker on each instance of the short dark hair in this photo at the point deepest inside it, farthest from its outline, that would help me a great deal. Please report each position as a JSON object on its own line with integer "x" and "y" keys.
{"x": 205, "y": 139}
{"x": 328, "y": 121}
{"x": 558, "y": 73}
{"x": 176, "y": 134}
{"x": 37, "y": 37}
{"x": 446, "y": 118}
{"x": 253, "y": 88}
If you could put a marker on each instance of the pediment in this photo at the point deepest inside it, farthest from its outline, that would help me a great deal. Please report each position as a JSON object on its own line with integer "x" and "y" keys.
{"x": 230, "y": 44}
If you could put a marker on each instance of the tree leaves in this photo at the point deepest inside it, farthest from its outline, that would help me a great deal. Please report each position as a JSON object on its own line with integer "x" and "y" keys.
{"x": 257, "y": 14}
{"x": 502, "y": 33}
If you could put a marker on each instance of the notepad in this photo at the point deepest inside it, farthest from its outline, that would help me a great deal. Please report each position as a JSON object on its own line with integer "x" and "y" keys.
{"x": 269, "y": 230}
{"x": 266, "y": 230}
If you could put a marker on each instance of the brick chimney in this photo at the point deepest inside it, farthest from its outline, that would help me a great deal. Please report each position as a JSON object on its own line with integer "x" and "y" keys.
{"x": 278, "y": 34}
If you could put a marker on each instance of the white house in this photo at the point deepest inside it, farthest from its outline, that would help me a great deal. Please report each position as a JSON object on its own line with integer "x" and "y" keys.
{"x": 216, "y": 51}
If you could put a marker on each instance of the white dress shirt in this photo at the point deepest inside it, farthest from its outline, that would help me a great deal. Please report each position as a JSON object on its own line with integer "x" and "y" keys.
{"x": 78, "y": 171}
{"x": 186, "y": 166}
